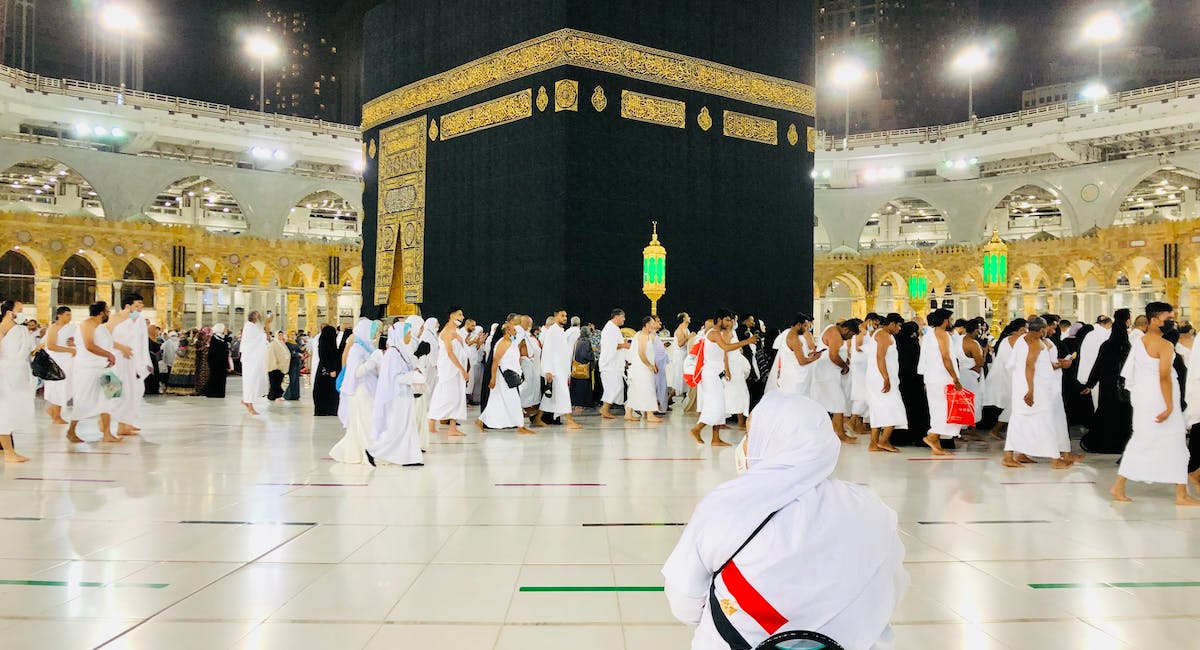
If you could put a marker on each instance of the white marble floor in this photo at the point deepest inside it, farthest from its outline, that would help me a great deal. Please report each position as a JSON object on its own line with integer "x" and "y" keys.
{"x": 217, "y": 530}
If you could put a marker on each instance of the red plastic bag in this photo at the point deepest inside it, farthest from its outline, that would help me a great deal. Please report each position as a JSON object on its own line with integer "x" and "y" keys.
{"x": 960, "y": 406}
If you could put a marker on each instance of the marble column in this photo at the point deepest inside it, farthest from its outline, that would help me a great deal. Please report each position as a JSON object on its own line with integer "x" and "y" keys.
{"x": 44, "y": 290}
{"x": 311, "y": 318}
{"x": 293, "y": 311}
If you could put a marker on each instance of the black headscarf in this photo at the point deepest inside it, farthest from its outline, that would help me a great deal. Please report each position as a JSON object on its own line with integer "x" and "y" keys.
{"x": 327, "y": 349}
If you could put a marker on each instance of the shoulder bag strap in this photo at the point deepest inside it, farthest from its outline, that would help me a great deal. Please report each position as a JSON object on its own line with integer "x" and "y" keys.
{"x": 724, "y": 627}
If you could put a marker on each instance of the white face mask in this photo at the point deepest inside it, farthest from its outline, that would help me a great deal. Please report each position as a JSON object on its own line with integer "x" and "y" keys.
{"x": 19, "y": 319}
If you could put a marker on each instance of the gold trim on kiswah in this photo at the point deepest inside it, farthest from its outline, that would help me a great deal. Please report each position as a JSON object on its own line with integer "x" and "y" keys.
{"x": 495, "y": 112}
{"x": 656, "y": 110}
{"x": 596, "y": 52}
{"x": 750, "y": 127}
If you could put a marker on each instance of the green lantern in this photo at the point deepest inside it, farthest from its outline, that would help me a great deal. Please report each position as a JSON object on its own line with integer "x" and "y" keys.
{"x": 654, "y": 270}
{"x": 918, "y": 287}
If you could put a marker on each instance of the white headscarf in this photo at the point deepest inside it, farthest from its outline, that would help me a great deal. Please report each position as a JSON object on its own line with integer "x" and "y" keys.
{"x": 430, "y": 336}
{"x": 362, "y": 348}
{"x": 219, "y": 329}
{"x": 396, "y": 369}
{"x": 792, "y": 455}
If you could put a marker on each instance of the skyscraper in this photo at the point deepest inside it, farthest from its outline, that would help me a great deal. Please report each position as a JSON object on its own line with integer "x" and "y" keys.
{"x": 303, "y": 81}
{"x": 907, "y": 46}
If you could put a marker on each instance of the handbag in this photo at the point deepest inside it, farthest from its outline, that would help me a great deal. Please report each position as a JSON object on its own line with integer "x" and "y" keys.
{"x": 580, "y": 370}
{"x": 960, "y": 406}
{"x": 721, "y": 621}
{"x": 512, "y": 378}
{"x": 44, "y": 367}
{"x": 110, "y": 383}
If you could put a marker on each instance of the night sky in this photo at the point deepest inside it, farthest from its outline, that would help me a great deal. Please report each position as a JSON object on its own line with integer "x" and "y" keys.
{"x": 194, "y": 47}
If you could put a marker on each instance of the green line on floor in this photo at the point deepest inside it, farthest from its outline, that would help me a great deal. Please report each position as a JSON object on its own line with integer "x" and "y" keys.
{"x": 65, "y": 583}
{"x": 1113, "y": 585}
{"x": 591, "y": 589}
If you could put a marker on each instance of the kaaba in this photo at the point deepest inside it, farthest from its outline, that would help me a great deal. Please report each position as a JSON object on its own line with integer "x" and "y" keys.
{"x": 518, "y": 151}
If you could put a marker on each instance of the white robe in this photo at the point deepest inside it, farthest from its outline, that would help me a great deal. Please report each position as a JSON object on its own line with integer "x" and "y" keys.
{"x": 1089, "y": 351}
{"x": 16, "y": 382}
{"x": 642, "y": 395}
{"x": 1031, "y": 429}
{"x": 361, "y": 421}
{"x": 612, "y": 364}
{"x": 884, "y": 409}
{"x": 858, "y": 375}
{"x": 556, "y": 360}
{"x": 827, "y": 387}
{"x": 396, "y": 439}
{"x": 253, "y": 350}
{"x": 132, "y": 371}
{"x": 449, "y": 399}
{"x": 58, "y": 393}
{"x": 830, "y": 559}
{"x": 503, "y": 410}
{"x": 531, "y": 370}
{"x": 1157, "y": 452}
{"x": 970, "y": 379}
{"x": 936, "y": 379}
{"x": 88, "y": 397}
{"x": 712, "y": 386}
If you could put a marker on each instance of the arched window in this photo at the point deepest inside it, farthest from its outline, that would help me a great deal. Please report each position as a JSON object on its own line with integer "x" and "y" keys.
{"x": 138, "y": 278}
{"x": 77, "y": 282}
{"x": 16, "y": 277}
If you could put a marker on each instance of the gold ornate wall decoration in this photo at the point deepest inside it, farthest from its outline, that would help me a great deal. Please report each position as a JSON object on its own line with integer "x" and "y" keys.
{"x": 596, "y": 52}
{"x": 704, "y": 119}
{"x": 656, "y": 110}
{"x": 599, "y": 101}
{"x": 495, "y": 112}
{"x": 751, "y": 127}
{"x": 371, "y": 149}
{"x": 566, "y": 95}
{"x": 542, "y": 99}
{"x": 812, "y": 139}
{"x": 433, "y": 129}
{"x": 400, "y": 227}
{"x": 792, "y": 135}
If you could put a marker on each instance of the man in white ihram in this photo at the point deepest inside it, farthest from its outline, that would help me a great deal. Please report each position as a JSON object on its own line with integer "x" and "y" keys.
{"x": 612, "y": 363}
{"x": 254, "y": 359}
{"x": 556, "y": 365}
{"x": 785, "y": 546}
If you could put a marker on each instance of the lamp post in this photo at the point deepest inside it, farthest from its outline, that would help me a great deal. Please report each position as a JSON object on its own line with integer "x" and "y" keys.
{"x": 263, "y": 48}
{"x": 847, "y": 75}
{"x": 121, "y": 20}
{"x": 918, "y": 287}
{"x": 995, "y": 278}
{"x": 654, "y": 270}
{"x": 1101, "y": 29}
{"x": 971, "y": 60}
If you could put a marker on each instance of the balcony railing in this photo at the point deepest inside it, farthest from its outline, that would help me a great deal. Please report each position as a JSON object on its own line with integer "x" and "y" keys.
{"x": 87, "y": 90}
{"x": 1047, "y": 113}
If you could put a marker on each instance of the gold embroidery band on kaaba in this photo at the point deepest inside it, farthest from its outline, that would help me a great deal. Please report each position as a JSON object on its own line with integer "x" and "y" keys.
{"x": 596, "y": 52}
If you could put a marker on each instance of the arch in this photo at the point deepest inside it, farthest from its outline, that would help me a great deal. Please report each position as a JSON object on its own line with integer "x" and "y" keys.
{"x": 139, "y": 278}
{"x": 77, "y": 281}
{"x": 1028, "y": 207}
{"x": 326, "y": 214}
{"x": 820, "y": 236}
{"x": 909, "y": 220}
{"x": 351, "y": 277}
{"x": 17, "y": 277}
{"x": 198, "y": 201}
{"x": 1155, "y": 196}
{"x": 48, "y": 186}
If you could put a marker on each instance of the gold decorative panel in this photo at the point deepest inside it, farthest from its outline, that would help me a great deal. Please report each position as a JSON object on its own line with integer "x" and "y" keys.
{"x": 656, "y": 110}
{"x": 599, "y": 101}
{"x": 502, "y": 110}
{"x": 751, "y": 127}
{"x": 542, "y": 99}
{"x": 400, "y": 227}
{"x": 566, "y": 95}
{"x": 812, "y": 139}
{"x": 792, "y": 135}
{"x": 704, "y": 119}
{"x": 433, "y": 129}
{"x": 596, "y": 52}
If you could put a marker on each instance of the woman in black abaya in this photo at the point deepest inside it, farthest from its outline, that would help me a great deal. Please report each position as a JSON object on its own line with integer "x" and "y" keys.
{"x": 324, "y": 377}
{"x": 912, "y": 387}
{"x": 1113, "y": 424}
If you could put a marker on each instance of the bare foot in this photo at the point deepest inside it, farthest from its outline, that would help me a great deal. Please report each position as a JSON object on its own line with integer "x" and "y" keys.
{"x": 479, "y": 423}
{"x": 1187, "y": 501}
{"x": 524, "y": 431}
{"x": 14, "y": 457}
{"x": 996, "y": 435}
{"x": 1022, "y": 458}
{"x": 654, "y": 419}
{"x": 696, "y": 434}
{"x": 1076, "y": 457}
{"x": 888, "y": 447}
{"x": 73, "y": 437}
{"x": 629, "y": 417}
{"x": 56, "y": 419}
{"x": 1059, "y": 463}
{"x": 455, "y": 433}
{"x": 848, "y": 440}
{"x": 717, "y": 442}
{"x": 538, "y": 424}
{"x": 108, "y": 437}
{"x": 934, "y": 442}
{"x": 874, "y": 447}
{"x": 574, "y": 426}
{"x": 1012, "y": 463}
{"x": 1119, "y": 495}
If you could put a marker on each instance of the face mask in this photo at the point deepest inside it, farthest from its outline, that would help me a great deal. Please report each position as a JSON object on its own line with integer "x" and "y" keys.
{"x": 1168, "y": 326}
{"x": 135, "y": 314}
{"x": 19, "y": 319}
